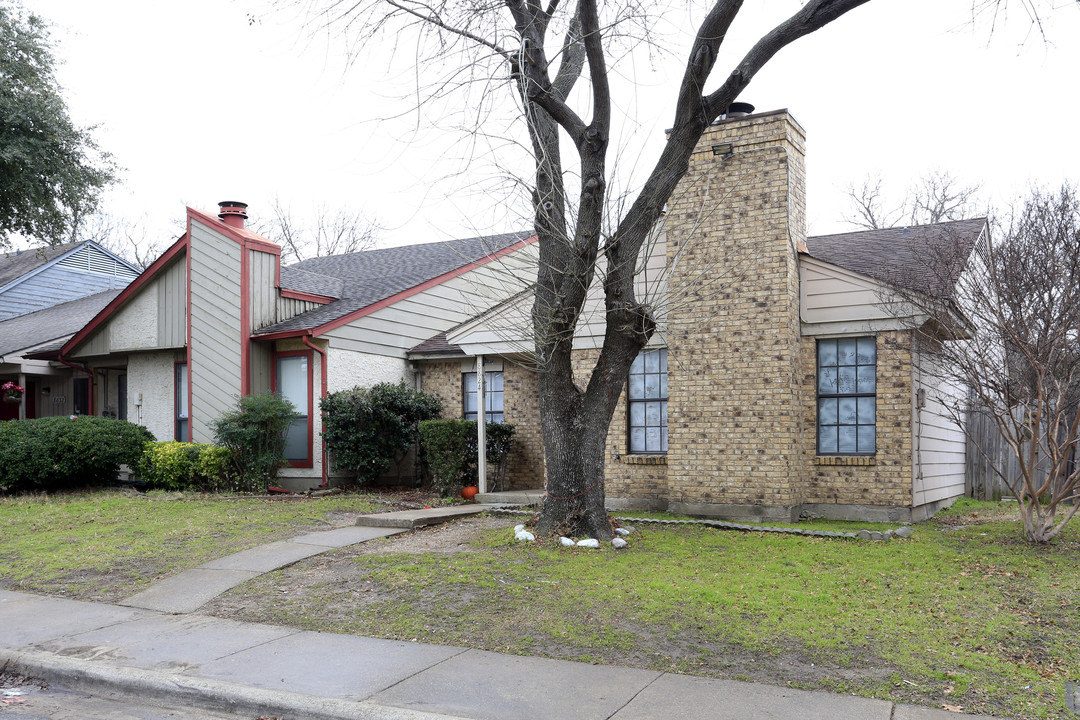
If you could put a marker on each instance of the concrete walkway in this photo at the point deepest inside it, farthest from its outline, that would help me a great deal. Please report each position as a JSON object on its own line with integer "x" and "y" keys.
{"x": 145, "y": 648}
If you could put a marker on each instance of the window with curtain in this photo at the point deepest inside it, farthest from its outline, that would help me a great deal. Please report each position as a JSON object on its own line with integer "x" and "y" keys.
{"x": 647, "y": 403}
{"x": 847, "y": 396}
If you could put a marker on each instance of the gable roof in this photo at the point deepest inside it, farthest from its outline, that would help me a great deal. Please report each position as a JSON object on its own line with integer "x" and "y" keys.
{"x": 363, "y": 279}
{"x": 904, "y": 256}
{"x": 16, "y": 263}
{"x": 55, "y": 323}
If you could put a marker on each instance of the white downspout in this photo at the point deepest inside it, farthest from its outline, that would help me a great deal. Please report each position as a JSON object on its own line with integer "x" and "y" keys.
{"x": 481, "y": 426}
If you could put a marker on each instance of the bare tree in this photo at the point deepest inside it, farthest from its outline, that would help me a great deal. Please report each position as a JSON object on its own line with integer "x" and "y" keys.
{"x": 936, "y": 197}
{"x": 332, "y": 233}
{"x": 124, "y": 237}
{"x": 1010, "y": 332}
{"x": 544, "y": 52}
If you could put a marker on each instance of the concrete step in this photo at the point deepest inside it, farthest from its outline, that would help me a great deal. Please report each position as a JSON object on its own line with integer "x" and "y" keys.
{"x": 418, "y": 518}
{"x": 512, "y": 497}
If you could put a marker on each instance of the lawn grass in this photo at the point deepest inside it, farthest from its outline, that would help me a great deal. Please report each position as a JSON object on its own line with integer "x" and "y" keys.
{"x": 965, "y": 613}
{"x": 107, "y": 545}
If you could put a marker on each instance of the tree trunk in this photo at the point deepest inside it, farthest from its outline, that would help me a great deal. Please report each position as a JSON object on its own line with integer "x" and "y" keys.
{"x": 574, "y": 450}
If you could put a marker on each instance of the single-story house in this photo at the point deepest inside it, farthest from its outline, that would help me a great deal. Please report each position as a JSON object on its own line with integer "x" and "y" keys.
{"x": 217, "y": 317}
{"x": 46, "y": 296}
{"x": 787, "y": 378}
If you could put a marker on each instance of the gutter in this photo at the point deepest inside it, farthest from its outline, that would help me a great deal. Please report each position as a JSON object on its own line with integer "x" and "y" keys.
{"x": 322, "y": 376}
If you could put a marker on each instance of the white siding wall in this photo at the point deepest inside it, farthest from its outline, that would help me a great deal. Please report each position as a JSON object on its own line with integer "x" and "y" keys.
{"x": 830, "y": 294}
{"x": 939, "y": 447}
{"x": 152, "y": 375}
{"x": 394, "y": 329}
{"x": 215, "y": 328}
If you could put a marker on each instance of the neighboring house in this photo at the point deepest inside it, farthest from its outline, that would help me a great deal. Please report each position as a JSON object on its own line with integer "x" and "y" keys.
{"x": 785, "y": 379}
{"x": 46, "y": 295}
{"x": 217, "y": 317}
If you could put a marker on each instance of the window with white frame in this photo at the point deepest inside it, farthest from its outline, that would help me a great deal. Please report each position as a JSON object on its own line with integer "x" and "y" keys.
{"x": 647, "y": 403}
{"x": 493, "y": 396}
{"x": 847, "y": 396}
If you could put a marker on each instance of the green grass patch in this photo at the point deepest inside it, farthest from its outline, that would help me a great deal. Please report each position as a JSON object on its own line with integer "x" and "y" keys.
{"x": 106, "y": 545}
{"x": 964, "y": 613}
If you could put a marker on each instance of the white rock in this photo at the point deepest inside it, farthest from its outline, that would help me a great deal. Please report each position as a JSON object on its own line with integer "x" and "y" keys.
{"x": 567, "y": 542}
{"x": 518, "y": 528}
{"x": 525, "y": 535}
{"x": 622, "y": 531}
{"x": 619, "y": 543}
{"x": 589, "y": 543}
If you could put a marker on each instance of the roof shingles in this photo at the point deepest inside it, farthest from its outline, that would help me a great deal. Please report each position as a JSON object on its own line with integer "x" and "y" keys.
{"x": 362, "y": 279}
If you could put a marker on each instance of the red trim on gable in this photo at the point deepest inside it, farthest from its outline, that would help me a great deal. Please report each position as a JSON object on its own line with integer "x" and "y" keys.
{"x": 310, "y": 297}
{"x": 240, "y": 235}
{"x": 133, "y": 287}
{"x": 404, "y": 294}
{"x": 245, "y": 318}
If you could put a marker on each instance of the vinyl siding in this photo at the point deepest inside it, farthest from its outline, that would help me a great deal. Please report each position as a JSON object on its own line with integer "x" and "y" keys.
{"x": 54, "y": 285}
{"x": 215, "y": 328}
{"x": 833, "y": 294}
{"x": 262, "y": 273}
{"x": 939, "y": 447}
{"x": 153, "y": 318}
{"x": 392, "y": 330}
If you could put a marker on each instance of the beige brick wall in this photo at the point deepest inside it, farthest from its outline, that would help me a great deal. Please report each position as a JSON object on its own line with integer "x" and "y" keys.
{"x": 735, "y": 430}
{"x": 629, "y": 480}
{"x": 886, "y": 478}
{"x": 522, "y": 408}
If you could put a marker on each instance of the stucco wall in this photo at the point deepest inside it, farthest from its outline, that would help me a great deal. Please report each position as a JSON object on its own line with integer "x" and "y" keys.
{"x": 151, "y": 374}
{"x": 135, "y": 325}
{"x": 348, "y": 369}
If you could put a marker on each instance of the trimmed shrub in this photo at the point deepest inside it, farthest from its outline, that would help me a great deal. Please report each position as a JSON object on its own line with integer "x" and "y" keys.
{"x": 367, "y": 429}
{"x": 185, "y": 466}
{"x": 254, "y": 434}
{"x": 450, "y": 451}
{"x": 60, "y": 453}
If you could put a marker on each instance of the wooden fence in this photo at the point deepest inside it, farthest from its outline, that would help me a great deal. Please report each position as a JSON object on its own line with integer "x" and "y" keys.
{"x": 987, "y": 455}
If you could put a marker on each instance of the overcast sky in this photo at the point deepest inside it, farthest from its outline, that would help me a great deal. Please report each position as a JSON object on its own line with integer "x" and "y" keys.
{"x": 198, "y": 104}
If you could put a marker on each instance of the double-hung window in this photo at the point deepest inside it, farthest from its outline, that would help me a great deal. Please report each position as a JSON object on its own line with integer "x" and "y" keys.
{"x": 493, "y": 396}
{"x": 847, "y": 396}
{"x": 647, "y": 401}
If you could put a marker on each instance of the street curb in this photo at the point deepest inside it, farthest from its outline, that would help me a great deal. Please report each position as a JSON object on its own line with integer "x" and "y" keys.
{"x": 197, "y": 692}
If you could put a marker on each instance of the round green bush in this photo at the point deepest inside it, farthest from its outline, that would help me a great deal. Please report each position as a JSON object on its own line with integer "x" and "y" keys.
{"x": 60, "y": 453}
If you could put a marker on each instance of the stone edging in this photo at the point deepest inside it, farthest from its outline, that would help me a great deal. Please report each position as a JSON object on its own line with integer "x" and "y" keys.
{"x": 904, "y": 531}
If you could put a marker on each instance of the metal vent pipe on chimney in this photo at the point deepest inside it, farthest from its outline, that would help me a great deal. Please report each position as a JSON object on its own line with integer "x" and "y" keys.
{"x": 233, "y": 213}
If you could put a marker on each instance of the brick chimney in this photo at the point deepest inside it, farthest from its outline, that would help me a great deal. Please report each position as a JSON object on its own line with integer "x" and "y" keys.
{"x": 233, "y": 213}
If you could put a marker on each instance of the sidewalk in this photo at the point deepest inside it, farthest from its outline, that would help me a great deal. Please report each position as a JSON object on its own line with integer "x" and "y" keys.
{"x": 251, "y": 669}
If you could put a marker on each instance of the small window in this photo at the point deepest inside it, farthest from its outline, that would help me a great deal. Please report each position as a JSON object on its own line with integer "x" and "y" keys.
{"x": 647, "y": 403}
{"x": 81, "y": 396}
{"x": 847, "y": 396}
{"x": 493, "y": 396}
{"x": 180, "y": 384}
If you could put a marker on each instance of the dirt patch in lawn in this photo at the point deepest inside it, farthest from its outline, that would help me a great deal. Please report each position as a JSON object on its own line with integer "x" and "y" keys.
{"x": 337, "y": 592}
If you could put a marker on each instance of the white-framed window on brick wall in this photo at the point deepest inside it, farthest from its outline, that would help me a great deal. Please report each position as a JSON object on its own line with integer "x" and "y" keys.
{"x": 493, "y": 396}
{"x": 647, "y": 403}
{"x": 847, "y": 396}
